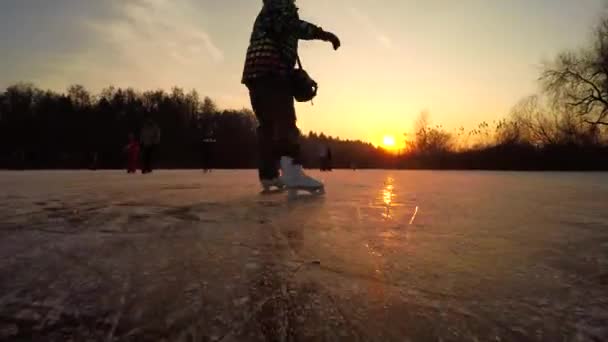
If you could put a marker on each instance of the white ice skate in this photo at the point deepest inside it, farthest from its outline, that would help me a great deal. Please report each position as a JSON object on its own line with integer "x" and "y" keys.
{"x": 272, "y": 186}
{"x": 296, "y": 180}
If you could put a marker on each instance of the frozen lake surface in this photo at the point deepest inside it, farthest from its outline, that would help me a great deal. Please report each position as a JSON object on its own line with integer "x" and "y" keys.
{"x": 384, "y": 256}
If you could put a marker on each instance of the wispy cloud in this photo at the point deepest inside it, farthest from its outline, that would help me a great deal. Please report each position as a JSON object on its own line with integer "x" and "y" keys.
{"x": 147, "y": 28}
{"x": 365, "y": 21}
{"x": 144, "y": 43}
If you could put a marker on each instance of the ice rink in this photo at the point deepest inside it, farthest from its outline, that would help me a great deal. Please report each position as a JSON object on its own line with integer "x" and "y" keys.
{"x": 383, "y": 256}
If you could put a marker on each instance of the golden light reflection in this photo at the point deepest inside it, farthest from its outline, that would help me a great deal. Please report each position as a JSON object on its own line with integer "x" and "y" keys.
{"x": 414, "y": 216}
{"x": 388, "y": 236}
{"x": 388, "y": 197}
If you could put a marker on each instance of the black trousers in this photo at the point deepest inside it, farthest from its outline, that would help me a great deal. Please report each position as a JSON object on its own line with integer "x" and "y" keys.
{"x": 278, "y": 135}
{"x": 147, "y": 158}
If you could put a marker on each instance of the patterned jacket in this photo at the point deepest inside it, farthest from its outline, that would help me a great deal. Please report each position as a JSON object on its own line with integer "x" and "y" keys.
{"x": 273, "y": 46}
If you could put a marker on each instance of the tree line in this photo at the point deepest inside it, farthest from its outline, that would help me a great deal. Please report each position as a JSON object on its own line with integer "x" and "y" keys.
{"x": 43, "y": 129}
{"x": 564, "y": 127}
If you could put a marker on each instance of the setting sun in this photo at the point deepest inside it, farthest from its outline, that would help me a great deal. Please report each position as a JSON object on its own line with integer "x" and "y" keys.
{"x": 389, "y": 141}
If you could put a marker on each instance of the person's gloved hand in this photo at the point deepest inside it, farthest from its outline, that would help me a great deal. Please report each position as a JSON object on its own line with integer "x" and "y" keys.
{"x": 330, "y": 37}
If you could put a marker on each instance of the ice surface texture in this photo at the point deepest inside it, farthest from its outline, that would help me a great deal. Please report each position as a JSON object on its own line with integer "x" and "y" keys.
{"x": 383, "y": 256}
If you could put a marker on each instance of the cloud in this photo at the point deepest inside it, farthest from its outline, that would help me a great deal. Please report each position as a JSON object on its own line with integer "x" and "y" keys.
{"x": 367, "y": 23}
{"x": 141, "y": 43}
{"x": 146, "y": 28}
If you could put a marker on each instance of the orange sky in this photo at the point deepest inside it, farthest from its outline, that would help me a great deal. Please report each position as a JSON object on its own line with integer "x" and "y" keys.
{"x": 464, "y": 61}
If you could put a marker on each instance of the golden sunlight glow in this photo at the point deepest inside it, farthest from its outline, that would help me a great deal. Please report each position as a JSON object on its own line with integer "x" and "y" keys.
{"x": 389, "y": 141}
{"x": 387, "y": 197}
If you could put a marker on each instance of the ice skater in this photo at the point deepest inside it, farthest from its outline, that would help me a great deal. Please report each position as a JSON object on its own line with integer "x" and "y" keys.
{"x": 325, "y": 158}
{"x": 150, "y": 140}
{"x": 206, "y": 148}
{"x": 268, "y": 72}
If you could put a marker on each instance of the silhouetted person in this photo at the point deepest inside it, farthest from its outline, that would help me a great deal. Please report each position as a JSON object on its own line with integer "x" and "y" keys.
{"x": 133, "y": 151}
{"x": 150, "y": 139}
{"x": 271, "y": 58}
{"x": 325, "y": 158}
{"x": 207, "y": 144}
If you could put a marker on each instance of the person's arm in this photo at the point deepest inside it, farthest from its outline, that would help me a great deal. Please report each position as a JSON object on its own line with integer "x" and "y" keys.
{"x": 285, "y": 21}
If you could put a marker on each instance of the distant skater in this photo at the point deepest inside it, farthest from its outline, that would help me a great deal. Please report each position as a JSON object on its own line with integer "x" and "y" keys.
{"x": 150, "y": 140}
{"x": 132, "y": 149}
{"x": 206, "y": 149}
{"x": 325, "y": 158}
{"x": 268, "y": 74}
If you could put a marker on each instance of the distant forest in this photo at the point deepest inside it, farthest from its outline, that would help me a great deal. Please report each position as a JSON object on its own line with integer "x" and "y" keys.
{"x": 564, "y": 127}
{"x": 47, "y": 130}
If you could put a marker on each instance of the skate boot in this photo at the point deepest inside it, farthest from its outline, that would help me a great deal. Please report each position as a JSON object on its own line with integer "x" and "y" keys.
{"x": 295, "y": 179}
{"x": 270, "y": 186}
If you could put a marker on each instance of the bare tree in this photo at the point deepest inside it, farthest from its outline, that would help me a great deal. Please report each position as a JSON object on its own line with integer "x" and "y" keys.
{"x": 79, "y": 95}
{"x": 209, "y": 107}
{"x": 537, "y": 125}
{"x": 533, "y": 121}
{"x": 421, "y": 127}
{"x": 580, "y": 79}
{"x": 430, "y": 140}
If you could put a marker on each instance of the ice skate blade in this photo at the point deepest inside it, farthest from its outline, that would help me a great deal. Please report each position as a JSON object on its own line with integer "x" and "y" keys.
{"x": 307, "y": 188}
{"x": 293, "y": 193}
{"x": 275, "y": 191}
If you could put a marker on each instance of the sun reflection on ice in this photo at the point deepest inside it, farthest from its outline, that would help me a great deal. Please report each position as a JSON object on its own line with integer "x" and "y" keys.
{"x": 388, "y": 197}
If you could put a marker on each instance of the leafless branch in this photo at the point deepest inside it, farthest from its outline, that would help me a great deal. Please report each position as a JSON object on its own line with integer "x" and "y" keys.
{"x": 602, "y": 123}
{"x": 588, "y": 82}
